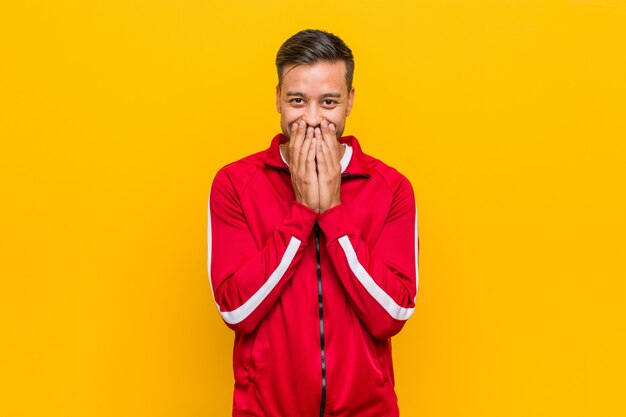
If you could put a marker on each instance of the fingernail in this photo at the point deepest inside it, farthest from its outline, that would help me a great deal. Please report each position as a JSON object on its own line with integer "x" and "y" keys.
{"x": 332, "y": 126}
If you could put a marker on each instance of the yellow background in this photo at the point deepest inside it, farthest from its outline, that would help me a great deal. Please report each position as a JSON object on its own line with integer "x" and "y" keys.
{"x": 507, "y": 116}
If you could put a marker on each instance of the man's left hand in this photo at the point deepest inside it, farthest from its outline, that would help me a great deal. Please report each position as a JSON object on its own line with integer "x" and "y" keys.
{"x": 327, "y": 153}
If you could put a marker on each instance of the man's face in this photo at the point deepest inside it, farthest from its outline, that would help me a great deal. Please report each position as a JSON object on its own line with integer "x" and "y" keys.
{"x": 313, "y": 93}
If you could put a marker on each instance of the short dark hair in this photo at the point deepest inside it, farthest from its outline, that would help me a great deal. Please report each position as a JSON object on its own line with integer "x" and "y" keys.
{"x": 311, "y": 46}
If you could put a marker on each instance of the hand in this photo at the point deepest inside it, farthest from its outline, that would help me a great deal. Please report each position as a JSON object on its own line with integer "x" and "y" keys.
{"x": 302, "y": 165}
{"x": 328, "y": 166}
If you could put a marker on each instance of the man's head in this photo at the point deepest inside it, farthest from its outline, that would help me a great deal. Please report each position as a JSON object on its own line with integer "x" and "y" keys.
{"x": 315, "y": 70}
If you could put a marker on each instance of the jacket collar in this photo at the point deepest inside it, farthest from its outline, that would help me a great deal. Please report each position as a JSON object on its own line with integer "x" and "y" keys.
{"x": 356, "y": 168}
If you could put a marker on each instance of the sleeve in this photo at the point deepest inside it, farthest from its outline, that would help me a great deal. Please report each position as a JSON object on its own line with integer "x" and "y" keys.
{"x": 245, "y": 281}
{"x": 380, "y": 281}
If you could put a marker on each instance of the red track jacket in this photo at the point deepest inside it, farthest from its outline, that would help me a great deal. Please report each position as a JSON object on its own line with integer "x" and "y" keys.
{"x": 313, "y": 299}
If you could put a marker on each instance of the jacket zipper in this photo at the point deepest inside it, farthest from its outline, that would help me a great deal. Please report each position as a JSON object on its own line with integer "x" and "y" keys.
{"x": 321, "y": 311}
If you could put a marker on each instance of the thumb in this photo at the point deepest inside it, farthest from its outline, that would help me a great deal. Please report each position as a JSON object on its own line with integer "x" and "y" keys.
{"x": 317, "y": 150}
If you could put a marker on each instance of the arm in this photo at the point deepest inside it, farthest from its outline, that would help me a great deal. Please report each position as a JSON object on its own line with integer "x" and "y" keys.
{"x": 380, "y": 281}
{"x": 245, "y": 281}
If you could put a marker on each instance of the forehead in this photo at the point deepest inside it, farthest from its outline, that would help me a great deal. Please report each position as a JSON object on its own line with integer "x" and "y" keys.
{"x": 321, "y": 77}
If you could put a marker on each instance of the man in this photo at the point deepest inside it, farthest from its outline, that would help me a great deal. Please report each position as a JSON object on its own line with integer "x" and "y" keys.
{"x": 313, "y": 252}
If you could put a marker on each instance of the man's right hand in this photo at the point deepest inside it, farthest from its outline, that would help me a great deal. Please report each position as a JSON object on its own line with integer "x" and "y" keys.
{"x": 302, "y": 165}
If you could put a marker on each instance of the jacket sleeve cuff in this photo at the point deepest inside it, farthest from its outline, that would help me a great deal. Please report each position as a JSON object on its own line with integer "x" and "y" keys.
{"x": 335, "y": 222}
{"x": 300, "y": 222}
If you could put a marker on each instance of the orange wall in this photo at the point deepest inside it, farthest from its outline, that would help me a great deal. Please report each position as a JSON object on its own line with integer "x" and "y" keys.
{"x": 507, "y": 116}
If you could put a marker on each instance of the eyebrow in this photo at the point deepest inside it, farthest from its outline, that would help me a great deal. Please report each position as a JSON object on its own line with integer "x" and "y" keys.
{"x": 298, "y": 94}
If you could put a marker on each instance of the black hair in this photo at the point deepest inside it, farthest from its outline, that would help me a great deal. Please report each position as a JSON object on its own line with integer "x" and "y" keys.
{"x": 311, "y": 46}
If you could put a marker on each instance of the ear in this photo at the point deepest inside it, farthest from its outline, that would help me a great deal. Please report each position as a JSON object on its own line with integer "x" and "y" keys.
{"x": 350, "y": 102}
{"x": 278, "y": 109}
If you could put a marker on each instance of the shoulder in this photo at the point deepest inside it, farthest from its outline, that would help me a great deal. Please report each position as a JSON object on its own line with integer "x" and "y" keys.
{"x": 393, "y": 178}
{"x": 400, "y": 189}
{"x": 238, "y": 173}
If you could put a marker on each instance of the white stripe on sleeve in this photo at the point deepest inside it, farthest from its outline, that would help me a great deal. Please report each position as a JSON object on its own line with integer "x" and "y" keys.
{"x": 242, "y": 312}
{"x": 394, "y": 310}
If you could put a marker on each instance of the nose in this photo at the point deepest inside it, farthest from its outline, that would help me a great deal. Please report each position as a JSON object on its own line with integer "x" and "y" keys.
{"x": 312, "y": 115}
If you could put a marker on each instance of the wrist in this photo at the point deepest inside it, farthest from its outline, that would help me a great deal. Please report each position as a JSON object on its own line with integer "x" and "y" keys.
{"x": 331, "y": 205}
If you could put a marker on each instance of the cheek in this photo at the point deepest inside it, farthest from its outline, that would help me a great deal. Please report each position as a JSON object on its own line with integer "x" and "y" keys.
{"x": 336, "y": 116}
{"x": 290, "y": 115}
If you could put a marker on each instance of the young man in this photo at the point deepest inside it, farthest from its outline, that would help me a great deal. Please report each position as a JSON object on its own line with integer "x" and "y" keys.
{"x": 313, "y": 252}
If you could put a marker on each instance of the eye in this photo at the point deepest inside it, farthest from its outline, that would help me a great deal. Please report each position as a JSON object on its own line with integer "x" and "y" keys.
{"x": 330, "y": 102}
{"x": 296, "y": 100}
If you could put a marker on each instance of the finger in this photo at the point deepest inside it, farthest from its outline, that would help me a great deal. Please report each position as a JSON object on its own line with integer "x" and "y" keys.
{"x": 338, "y": 145}
{"x": 333, "y": 130}
{"x": 304, "y": 149}
{"x": 322, "y": 166}
{"x": 293, "y": 129}
{"x": 310, "y": 158}
{"x": 333, "y": 133}
{"x": 332, "y": 167}
{"x": 330, "y": 137}
{"x": 296, "y": 142}
{"x": 292, "y": 137}
{"x": 325, "y": 125}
